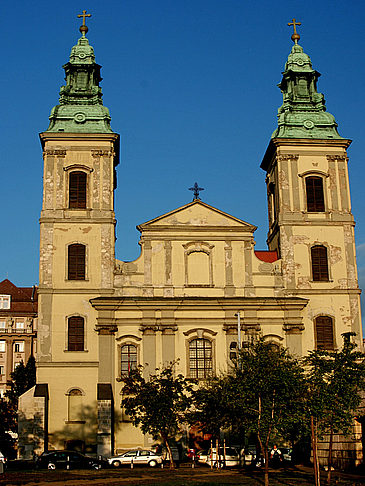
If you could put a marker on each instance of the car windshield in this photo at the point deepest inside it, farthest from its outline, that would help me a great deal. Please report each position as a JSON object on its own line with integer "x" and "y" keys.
{"x": 130, "y": 454}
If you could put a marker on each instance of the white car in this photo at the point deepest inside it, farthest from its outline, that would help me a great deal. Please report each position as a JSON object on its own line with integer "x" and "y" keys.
{"x": 232, "y": 458}
{"x": 136, "y": 457}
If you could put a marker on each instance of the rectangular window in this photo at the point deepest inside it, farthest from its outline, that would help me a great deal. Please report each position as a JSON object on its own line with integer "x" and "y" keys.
{"x": 76, "y": 262}
{"x": 2, "y": 370}
{"x": 324, "y": 332}
{"x": 2, "y": 325}
{"x": 75, "y": 334}
{"x": 19, "y": 324}
{"x": 315, "y": 195}
{"x": 4, "y": 301}
{"x": 19, "y": 347}
{"x": 77, "y": 190}
{"x": 2, "y": 346}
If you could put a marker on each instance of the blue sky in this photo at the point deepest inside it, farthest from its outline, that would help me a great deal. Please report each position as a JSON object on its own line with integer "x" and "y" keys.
{"x": 192, "y": 89}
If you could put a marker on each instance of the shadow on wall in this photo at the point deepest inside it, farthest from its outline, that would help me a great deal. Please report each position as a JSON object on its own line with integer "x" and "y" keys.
{"x": 31, "y": 435}
{"x": 79, "y": 434}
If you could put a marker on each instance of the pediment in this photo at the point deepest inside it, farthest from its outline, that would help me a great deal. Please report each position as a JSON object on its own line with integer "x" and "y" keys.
{"x": 197, "y": 214}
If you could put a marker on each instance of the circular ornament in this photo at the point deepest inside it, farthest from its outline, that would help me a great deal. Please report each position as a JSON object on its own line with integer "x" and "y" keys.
{"x": 82, "y": 55}
{"x": 300, "y": 62}
{"x": 80, "y": 117}
{"x": 308, "y": 124}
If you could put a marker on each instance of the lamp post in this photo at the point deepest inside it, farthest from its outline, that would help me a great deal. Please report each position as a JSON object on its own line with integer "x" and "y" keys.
{"x": 239, "y": 330}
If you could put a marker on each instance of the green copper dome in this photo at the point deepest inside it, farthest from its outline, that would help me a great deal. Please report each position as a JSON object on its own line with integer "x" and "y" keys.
{"x": 303, "y": 112}
{"x": 80, "y": 108}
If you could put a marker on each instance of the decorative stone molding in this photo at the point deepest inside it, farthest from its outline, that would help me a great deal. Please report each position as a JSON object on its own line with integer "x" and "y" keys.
{"x": 288, "y": 157}
{"x": 59, "y": 153}
{"x": 106, "y": 329}
{"x": 102, "y": 153}
{"x": 294, "y": 328}
{"x": 200, "y": 332}
{"x": 337, "y": 157}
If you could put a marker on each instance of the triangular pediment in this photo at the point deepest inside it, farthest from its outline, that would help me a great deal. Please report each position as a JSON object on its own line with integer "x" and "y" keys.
{"x": 197, "y": 214}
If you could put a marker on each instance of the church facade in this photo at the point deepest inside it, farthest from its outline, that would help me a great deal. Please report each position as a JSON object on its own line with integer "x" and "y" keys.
{"x": 198, "y": 278}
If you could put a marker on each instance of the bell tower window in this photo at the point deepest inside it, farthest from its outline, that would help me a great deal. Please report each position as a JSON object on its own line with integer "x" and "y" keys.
{"x": 76, "y": 261}
{"x": 77, "y": 190}
{"x": 324, "y": 333}
{"x": 315, "y": 195}
{"x": 76, "y": 333}
{"x": 319, "y": 263}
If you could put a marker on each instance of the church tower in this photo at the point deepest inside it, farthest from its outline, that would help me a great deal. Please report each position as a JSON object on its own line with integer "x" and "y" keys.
{"x": 77, "y": 236}
{"x": 310, "y": 221}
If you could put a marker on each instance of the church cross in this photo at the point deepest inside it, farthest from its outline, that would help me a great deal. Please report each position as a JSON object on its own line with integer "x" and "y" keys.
{"x": 295, "y": 37}
{"x": 196, "y": 190}
{"x": 83, "y": 28}
{"x": 84, "y": 15}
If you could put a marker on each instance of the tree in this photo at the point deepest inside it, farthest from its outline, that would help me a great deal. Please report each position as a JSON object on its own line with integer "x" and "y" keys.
{"x": 262, "y": 394}
{"x": 335, "y": 382}
{"x": 23, "y": 378}
{"x": 158, "y": 404}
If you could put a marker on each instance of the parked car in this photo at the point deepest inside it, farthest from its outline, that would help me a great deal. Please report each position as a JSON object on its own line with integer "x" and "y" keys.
{"x": 287, "y": 454}
{"x": 138, "y": 457}
{"x": 232, "y": 457}
{"x": 66, "y": 460}
{"x": 202, "y": 456}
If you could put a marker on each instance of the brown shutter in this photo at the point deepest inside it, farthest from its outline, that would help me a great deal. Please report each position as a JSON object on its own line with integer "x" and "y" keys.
{"x": 76, "y": 262}
{"x": 319, "y": 264}
{"x": 324, "y": 333}
{"x": 75, "y": 334}
{"x": 77, "y": 190}
{"x": 315, "y": 196}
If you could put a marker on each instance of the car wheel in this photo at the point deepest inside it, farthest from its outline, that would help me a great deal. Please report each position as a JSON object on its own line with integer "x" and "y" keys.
{"x": 116, "y": 463}
{"x": 152, "y": 463}
{"x": 51, "y": 466}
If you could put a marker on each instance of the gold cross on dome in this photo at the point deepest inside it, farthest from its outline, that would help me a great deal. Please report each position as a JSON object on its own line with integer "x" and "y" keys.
{"x": 295, "y": 37}
{"x": 84, "y": 15}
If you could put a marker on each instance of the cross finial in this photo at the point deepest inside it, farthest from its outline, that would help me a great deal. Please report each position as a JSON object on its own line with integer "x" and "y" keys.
{"x": 196, "y": 190}
{"x": 83, "y": 28}
{"x": 295, "y": 37}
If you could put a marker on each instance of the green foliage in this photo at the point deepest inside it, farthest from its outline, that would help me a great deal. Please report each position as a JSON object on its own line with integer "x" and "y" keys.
{"x": 335, "y": 382}
{"x": 23, "y": 378}
{"x": 8, "y": 423}
{"x": 264, "y": 394}
{"x": 158, "y": 404}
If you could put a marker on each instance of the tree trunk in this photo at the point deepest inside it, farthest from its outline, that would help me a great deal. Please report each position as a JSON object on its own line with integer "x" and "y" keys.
{"x": 266, "y": 467}
{"x": 172, "y": 464}
{"x": 330, "y": 447}
{"x": 317, "y": 477}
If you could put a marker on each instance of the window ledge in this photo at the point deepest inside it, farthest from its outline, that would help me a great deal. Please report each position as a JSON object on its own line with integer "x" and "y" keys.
{"x": 75, "y": 421}
{"x": 199, "y": 285}
{"x": 70, "y": 351}
{"x": 321, "y": 281}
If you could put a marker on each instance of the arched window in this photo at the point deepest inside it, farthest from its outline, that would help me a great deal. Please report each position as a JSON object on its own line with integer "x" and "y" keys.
{"x": 324, "y": 332}
{"x": 200, "y": 358}
{"x": 128, "y": 358}
{"x": 319, "y": 263}
{"x": 76, "y": 262}
{"x": 272, "y": 202}
{"x": 315, "y": 195}
{"x": 75, "y": 411}
{"x": 75, "y": 333}
{"x": 77, "y": 190}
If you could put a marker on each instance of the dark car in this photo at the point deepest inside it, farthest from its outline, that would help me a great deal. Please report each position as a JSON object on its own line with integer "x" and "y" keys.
{"x": 66, "y": 460}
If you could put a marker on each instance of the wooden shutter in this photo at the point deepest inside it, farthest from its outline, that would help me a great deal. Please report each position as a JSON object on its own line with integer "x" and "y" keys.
{"x": 76, "y": 262}
{"x": 315, "y": 196}
{"x": 324, "y": 333}
{"x": 76, "y": 334}
{"x": 319, "y": 264}
{"x": 77, "y": 190}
